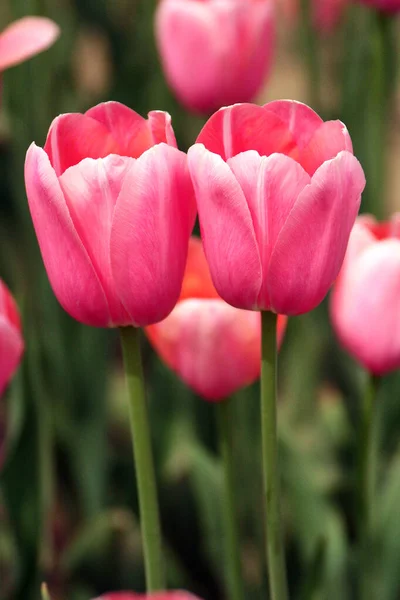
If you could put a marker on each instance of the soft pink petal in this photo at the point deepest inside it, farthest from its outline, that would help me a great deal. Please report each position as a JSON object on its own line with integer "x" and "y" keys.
{"x": 271, "y": 186}
{"x": 227, "y": 230}
{"x": 25, "y": 38}
{"x": 365, "y": 307}
{"x": 153, "y": 220}
{"x": 71, "y": 273}
{"x": 299, "y": 118}
{"x": 11, "y": 349}
{"x": 91, "y": 190}
{"x": 161, "y": 128}
{"x": 8, "y": 307}
{"x": 213, "y": 347}
{"x": 329, "y": 139}
{"x": 242, "y": 127}
{"x": 311, "y": 246}
{"x": 73, "y": 137}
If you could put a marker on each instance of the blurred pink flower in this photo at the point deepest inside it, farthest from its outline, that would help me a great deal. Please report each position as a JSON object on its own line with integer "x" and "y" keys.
{"x": 215, "y": 52}
{"x": 326, "y": 14}
{"x": 24, "y": 38}
{"x": 365, "y": 303}
{"x": 11, "y": 342}
{"x": 390, "y": 6}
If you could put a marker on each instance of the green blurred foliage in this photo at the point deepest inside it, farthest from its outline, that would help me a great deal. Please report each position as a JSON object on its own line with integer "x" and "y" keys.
{"x": 68, "y": 505}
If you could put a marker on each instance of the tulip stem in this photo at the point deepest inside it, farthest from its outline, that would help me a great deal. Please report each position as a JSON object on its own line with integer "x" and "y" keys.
{"x": 231, "y": 536}
{"x": 143, "y": 458}
{"x": 274, "y": 538}
{"x": 366, "y": 476}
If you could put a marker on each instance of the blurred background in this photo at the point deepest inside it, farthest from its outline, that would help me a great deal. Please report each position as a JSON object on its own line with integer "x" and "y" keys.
{"x": 68, "y": 505}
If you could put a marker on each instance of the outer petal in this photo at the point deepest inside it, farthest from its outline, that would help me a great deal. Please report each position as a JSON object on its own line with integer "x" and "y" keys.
{"x": 242, "y": 127}
{"x": 311, "y": 246}
{"x": 153, "y": 220}
{"x": 73, "y": 137}
{"x": 365, "y": 307}
{"x": 91, "y": 189}
{"x": 330, "y": 139}
{"x": 161, "y": 128}
{"x": 271, "y": 185}
{"x": 71, "y": 273}
{"x": 213, "y": 347}
{"x": 25, "y": 38}
{"x": 299, "y": 118}
{"x": 227, "y": 229}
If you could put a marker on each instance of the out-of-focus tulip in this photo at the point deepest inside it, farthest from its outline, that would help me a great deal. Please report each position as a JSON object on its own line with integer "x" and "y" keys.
{"x": 215, "y": 52}
{"x": 278, "y": 191}
{"x": 11, "y": 343}
{"x": 26, "y": 38}
{"x": 212, "y": 346}
{"x": 390, "y": 6}
{"x": 326, "y": 14}
{"x": 113, "y": 209}
{"x": 365, "y": 303}
{"x": 177, "y": 595}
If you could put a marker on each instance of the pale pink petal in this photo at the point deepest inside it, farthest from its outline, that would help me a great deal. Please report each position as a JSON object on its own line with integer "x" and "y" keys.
{"x": 271, "y": 186}
{"x": 8, "y": 307}
{"x": 360, "y": 238}
{"x": 73, "y": 137}
{"x": 330, "y": 139}
{"x": 227, "y": 229}
{"x": 311, "y": 246}
{"x": 25, "y": 38}
{"x": 299, "y": 118}
{"x": 91, "y": 190}
{"x": 161, "y": 128}
{"x": 213, "y": 347}
{"x": 365, "y": 307}
{"x": 153, "y": 220}
{"x": 71, "y": 273}
{"x": 242, "y": 127}
{"x": 11, "y": 348}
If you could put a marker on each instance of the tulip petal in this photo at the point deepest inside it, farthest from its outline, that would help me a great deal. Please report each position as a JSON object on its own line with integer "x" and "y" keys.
{"x": 24, "y": 38}
{"x": 243, "y": 127}
{"x": 311, "y": 246}
{"x": 11, "y": 348}
{"x": 227, "y": 229}
{"x": 91, "y": 189}
{"x": 71, "y": 273}
{"x": 329, "y": 139}
{"x": 365, "y": 307}
{"x": 153, "y": 219}
{"x": 73, "y": 137}
{"x": 161, "y": 128}
{"x": 299, "y": 118}
{"x": 271, "y": 185}
{"x": 197, "y": 282}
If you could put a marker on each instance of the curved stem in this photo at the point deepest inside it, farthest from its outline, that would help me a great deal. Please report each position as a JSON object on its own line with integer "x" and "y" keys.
{"x": 275, "y": 547}
{"x": 143, "y": 457}
{"x": 231, "y": 537}
{"x": 366, "y": 478}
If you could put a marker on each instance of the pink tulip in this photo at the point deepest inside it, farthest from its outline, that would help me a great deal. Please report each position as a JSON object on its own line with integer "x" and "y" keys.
{"x": 365, "y": 303}
{"x": 213, "y": 347}
{"x": 179, "y": 595}
{"x": 215, "y": 52}
{"x": 11, "y": 342}
{"x": 278, "y": 191}
{"x": 390, "y": 6}
{"x": 25, "y": 38}
{"x": 326, "y": 14}
{"x": 113, "y": 208}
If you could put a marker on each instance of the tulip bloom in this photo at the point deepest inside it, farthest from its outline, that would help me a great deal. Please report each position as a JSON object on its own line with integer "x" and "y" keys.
{"x": 11, "y": 342}
{"x": 215, "y": 52}
{"x": 25, "y": 38}
{"x": 365, "y": 305}
{"x": 326, "y": 14}
{"x": 176, "y": 595}
{"x": 212, "y": 346}
{"x": 278, "y": 191}
{"x": 389, "y": 6}
{"x": 113, "y": 208}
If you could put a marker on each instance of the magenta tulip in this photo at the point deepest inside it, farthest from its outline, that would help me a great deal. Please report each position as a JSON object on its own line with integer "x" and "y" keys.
{"x": 215, "y": 52}
{"x": 113, "y": 208}
{"x": 365, "y": 303}
{"x": 25, "y": 38}
{"x": 278, "y": 191}
{"x": 11, "y": 342}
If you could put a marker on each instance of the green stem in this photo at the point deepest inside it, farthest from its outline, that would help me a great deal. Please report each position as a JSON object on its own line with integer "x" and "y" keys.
{"x": 274, "y": 537}
{"x": 231, "y": 537}
{"x": 143, "y": 457}
{"x": 366, "y": 480}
